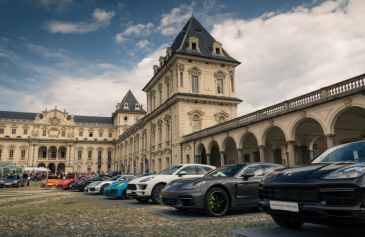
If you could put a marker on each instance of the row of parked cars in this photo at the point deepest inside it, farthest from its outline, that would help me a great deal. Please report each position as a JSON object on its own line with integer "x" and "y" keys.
{"x": 331, "y": 190}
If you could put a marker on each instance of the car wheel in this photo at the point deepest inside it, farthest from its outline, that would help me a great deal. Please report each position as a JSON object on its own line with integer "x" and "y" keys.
{"x": 156, "y": 193}
{"x": 216, "y": 202}
{"x": 286, "y": 223}
{"x": 142, "y": 200}
{"x": 103, "y": 187}
{"x": 124, "y": 194}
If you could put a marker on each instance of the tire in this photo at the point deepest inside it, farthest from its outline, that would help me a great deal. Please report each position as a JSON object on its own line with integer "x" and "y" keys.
{"x": 287, "y": 223}
{"x": 216, "y": 202}
{"x": 156, "y": 193}
{"x": 124, "y": 194}
{"x": 102, "y": 188}
{"x": 142, "y": 200}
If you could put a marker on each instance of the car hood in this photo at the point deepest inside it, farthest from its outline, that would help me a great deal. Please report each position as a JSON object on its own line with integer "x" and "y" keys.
{"x": 305, "y": 174}
{"x": 163, "y": 177}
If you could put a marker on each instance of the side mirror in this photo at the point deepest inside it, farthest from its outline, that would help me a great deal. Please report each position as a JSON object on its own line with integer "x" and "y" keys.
{"x": 182, "y": 173}
{"x": 246, "y": 176}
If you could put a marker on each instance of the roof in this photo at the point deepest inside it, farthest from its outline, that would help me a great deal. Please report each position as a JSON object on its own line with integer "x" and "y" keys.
{"x": 17, "y": 115}
{"x": 206, "y": 40}
{"x": 131, "y": 100}
{"x": 93, "y": 119}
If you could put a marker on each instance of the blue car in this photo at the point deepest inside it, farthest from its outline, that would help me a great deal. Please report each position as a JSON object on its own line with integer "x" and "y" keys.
{"x": 118, "y": 188}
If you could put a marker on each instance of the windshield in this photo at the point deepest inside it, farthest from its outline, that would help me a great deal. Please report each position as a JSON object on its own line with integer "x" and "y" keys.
{"x": 228, "y": 171}
{"x": 171, "y": 169}
{"x": 12, "y": 177}
{"x": 354, "y": 152}
{"x": 114, "y": 178}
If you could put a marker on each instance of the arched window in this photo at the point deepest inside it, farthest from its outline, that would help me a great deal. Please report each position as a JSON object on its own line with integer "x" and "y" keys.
{"x": 195, "y": 84}
{"x": 196, "y": 123}
{"x": 220, "y": 86}
{"x": 221, "y": 119}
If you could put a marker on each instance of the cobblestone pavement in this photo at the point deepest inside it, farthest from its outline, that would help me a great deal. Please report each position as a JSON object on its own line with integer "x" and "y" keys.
{"x": 39, "y": 212}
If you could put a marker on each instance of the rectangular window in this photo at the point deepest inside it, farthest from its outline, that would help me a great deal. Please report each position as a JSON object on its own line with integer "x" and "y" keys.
{"x": 23, "y": 154}
{"x": 1, "y": 153}
{"x": 13, "y": 131}
{"x": 79, "y": 155}
{"x": 99, "y": 160}
{"x": 11, "y": 154}
{"x": 25, "y": 131}
{"x": 81, "y": 134}
{"x": 63, "y": 133}
{"x": 100, "y": 134}
{"x": 168, "y": 90}
{"x": 44, "y": 132}
{"x": 181, "y": 79}
{"x": 91, "y": 134}
{"x": 1, "y": 130}
{"x": 220, "y": 86}
{"x": 232, "y": 84}
{"x": 89, "y": 154}
{"x": 110, "y": 134}
{"x": 193, "y": 46}
{"x": 217, "y": 51}
{"x": 195, "y": 84}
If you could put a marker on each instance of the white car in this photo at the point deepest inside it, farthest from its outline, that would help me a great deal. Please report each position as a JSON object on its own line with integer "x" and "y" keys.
{"x": 146, "y": 187}
{"x": 97, "y": 187}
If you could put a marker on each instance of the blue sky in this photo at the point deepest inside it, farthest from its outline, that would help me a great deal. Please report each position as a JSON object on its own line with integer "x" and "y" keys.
{"x": 83, "y": 56}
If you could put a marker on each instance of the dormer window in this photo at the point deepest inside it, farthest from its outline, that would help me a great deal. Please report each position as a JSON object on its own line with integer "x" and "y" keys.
{"x": 126, "y": 105}
{"x": 217, "y": 48}
{"x": 193, "y": 46}
{"x": 194, "y": 43}
{"x": 217, "y": 51}
{"x": 137, "y": 106}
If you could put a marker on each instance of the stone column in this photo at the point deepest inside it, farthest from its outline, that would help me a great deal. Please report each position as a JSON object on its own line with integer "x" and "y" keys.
{"x": 330, "y": 140}
{"x": 291, "y": 154}
{"x": 262, "y": 153}
{"x": 239, "y": 156}
{"x": 222, "y": 158}
{"x": 208, "y": 159}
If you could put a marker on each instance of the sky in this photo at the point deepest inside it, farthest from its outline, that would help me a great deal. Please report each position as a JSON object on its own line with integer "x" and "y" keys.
{"x": 83, "y": 56}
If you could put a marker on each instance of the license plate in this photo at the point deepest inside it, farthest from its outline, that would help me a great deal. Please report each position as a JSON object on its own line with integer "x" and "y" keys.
{"x": 7, "y": 183}
{"x": 284, "y": 206}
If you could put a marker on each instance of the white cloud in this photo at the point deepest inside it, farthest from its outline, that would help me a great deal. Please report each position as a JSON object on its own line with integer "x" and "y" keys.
{"x": 287, "y": 54}
{"x": 137, "y": 30}
{"x": 173, "y": 21}
{"x": 101, "y": 18}
{"x": 142, "y": 44}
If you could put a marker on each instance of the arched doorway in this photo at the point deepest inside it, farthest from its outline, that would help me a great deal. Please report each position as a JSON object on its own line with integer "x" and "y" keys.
{"x": 61, "y": 168}
{"x": 275, "y": 146}
{"x": 42, "y": 152}
{"x": 349, "y": 125}
{"x": 42, "y": 165}
{"x": 250, "y": 148}
{"x": 308, "y": 136}
{"x": 52, "y": 153}
{"x": 52, "y": 167}
{"x": 201, "y": 154}
{"x": 215, "y": 156}
{"x": 230, "y": 151}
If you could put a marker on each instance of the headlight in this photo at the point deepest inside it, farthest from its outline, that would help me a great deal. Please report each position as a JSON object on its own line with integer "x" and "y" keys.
{"x": 193, "y": 185}
{"x": 146, "y": 180}
{"x": 347, "y": 173}
{"x": 2, "y": 181}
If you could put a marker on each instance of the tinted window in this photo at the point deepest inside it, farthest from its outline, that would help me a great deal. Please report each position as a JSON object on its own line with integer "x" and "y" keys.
{"x": 202, "y": 170}
{"x": 253, "y": 169}
{"x": 171, "y": 169}
{"x": 228, "y": 171}
{"x": 190, "y": 170}
{"x": 354, "y": 152}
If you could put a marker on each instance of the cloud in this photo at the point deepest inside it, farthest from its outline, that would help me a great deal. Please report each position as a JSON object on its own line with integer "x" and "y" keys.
{"x": 59, "y": 5}
{"x": 101, "y": 18}
{"x": 288, "y": 54}
{"x": 137, "y": 30}
{"x": 173, "y": 21}
{"x": 142, "y": 44}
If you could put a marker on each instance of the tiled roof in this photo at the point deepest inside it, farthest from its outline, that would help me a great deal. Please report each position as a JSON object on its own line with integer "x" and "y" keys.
{"x": 206, "y": 40}
{"x": 131, "y": 100}
{"x": 17, "y": 115}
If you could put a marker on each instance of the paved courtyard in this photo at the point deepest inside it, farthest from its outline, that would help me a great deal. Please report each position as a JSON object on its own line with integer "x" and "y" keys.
{"x": 35, "y": 212}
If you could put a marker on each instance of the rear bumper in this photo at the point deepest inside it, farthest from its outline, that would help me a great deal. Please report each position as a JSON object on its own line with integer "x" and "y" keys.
{"x": 184, "y": 200}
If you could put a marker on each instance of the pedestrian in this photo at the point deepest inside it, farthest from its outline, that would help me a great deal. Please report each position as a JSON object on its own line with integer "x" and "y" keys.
{"x": 25, "y": 179}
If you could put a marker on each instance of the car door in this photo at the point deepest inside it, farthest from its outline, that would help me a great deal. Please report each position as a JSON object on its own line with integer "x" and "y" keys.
{"x": 247, "y": 189}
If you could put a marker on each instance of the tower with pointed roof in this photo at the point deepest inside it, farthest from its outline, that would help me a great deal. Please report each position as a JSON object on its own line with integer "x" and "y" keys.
{"x": 127, "y": 113}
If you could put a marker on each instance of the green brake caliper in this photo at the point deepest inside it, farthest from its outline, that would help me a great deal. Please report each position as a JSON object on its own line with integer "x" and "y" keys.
{"x": 211, "y": 201}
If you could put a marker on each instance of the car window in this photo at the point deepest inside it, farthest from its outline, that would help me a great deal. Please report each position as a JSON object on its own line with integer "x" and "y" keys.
{"x": 226, "y": 171}
{"x": 201, "y": 170}
{"x": 190, "y": 170}
{"x": 353, "y": 152}
{"x": 171, "y": 170}
{"x": 255, "y": 169}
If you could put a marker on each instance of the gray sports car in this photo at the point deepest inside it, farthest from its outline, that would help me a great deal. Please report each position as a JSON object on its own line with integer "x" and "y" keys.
{"x": 225, "y": 188}
{"x": 12, "y": 181}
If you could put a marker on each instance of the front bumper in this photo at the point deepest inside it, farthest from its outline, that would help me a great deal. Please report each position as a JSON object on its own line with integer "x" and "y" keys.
{"x": 92, "y": 190}
{"x": 187, "y": 199}
{"x": 9, "y": 185}
{"x": 322, "y": 204}
{"x": 139, "y": 190}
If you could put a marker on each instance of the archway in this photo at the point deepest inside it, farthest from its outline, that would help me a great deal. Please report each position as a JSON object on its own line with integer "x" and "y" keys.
{"x": 61, "y": 168}
{"x": 349, "y": 125}
{"x": 42, "y": 165}
{"x": 215, "y": 156}
{"x": 230, "y": 151}
{"x": 52, "y": 153}
{"x": 62, "y": 153}
{"x": 201, "y": 154}
{"x": 42, "y": 152}
{"x": 146, "y": 166}
{"x": 309, "y": 137}
{"x": 250, "y": 148}
{"x": 52, "y": 167}
{"x": 275, "y": 146}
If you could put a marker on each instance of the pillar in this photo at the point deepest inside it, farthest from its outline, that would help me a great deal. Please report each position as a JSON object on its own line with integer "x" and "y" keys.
{"x": 222, "y": 158}
{"x": 330, "y": 140}
{"x": 239, "y": 156}
{"x": 291, "y": 154}
{"x": 262, "y": 153}
{"x": 208, "y": 159}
